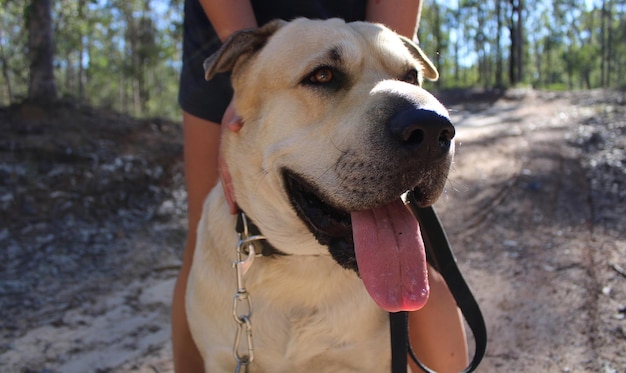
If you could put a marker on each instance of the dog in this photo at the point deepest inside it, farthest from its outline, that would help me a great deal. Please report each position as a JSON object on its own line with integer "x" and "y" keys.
{"x": 337, "y": 129}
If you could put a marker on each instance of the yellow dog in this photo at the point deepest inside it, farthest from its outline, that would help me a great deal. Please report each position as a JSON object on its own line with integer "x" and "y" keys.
{"x": 337, "y": 128}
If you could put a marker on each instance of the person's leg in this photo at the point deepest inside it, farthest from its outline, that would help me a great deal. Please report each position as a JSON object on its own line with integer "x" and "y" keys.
{"x": 201, "y": 145}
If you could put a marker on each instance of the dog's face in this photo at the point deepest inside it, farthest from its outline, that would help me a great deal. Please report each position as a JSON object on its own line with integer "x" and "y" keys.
{"x": 337, "y": 128}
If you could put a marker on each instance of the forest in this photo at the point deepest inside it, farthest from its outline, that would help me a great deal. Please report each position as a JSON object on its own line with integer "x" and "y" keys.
{"x": 125, "y": 55}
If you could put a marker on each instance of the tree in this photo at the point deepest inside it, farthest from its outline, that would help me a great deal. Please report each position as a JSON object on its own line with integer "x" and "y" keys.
{"x": 499, "y": 79}
{"x": 516, "y": 27}
{"x": 5, "y": 71}
{"x": 125, "y": 54}
{"x": 42, "y": 86}
{"x": 72, "y": 31}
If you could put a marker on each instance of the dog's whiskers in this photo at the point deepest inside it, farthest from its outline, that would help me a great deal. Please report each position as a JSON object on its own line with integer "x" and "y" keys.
{"x": 261, "y": 178}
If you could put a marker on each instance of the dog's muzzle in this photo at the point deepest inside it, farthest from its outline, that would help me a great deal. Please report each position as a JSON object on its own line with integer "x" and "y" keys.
{"x": 359, "y": 215}
{"x": 425, "y": 133}
{"x": 331, "y": 226}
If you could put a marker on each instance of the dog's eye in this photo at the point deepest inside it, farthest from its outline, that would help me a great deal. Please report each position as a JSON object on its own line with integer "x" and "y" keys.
{"x": 411, "y": 77}
{"x": 323, "y": 75}
{"x": 326, "y": 79}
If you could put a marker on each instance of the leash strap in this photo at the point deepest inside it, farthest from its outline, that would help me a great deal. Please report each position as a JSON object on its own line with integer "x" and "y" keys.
{"x": 399, "y": 323}
{"x": 439, "y": 255}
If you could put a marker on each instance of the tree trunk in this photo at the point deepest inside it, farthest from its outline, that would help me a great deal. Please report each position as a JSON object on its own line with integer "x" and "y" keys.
{"x": 5, "y": 73}
{"x": 512, "y": 54}
{"x": 42, "y": 86}
{"x": 513, "y": 50}
{"x": 520, "y": 41}
{"x": 609, "y": 43}
{"x": 499, "y": 83}
{"x": 81, "y": 51}
{"x": 69, "y": 74}
{"x": 457, "y": 62}
{"x": 537, "y": 44}
{"x": 603, "y": 27}
{"x": 516, "y": 66}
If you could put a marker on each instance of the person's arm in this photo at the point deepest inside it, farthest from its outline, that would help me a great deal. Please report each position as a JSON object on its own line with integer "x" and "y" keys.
{"x": 201, "y": 144}
{"x": 402, "y": 16}
{"x": 228, "y": 16}
{"x": 436, "y": 331}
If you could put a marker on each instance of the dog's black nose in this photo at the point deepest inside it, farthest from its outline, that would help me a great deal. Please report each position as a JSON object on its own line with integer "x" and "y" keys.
{"x": 422, "y": 130}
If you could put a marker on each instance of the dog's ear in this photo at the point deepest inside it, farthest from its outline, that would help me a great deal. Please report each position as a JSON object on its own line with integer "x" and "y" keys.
{"x": 430, "y": 71}
{"x": 240, "y": 43}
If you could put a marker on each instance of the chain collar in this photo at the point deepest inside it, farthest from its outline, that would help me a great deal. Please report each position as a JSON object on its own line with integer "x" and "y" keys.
{"x": 246, "y": 228}
{"x": 250, "y": 244}
{"x": 242, "y": 304}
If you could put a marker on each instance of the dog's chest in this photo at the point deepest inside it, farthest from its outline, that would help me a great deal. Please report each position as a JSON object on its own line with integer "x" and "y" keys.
{"x": 326, "y": 325}
{"x": 320, "y": 340}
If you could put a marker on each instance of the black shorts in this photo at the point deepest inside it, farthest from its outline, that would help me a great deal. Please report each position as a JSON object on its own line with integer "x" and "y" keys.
{"x": 209, "y": 99}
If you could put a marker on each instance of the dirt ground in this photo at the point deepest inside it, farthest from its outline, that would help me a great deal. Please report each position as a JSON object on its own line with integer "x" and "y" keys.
{"x": 92, "y": 223}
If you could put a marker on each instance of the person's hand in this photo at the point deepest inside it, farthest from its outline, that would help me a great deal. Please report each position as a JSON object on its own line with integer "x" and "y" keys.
{"x": 230, "y": 122}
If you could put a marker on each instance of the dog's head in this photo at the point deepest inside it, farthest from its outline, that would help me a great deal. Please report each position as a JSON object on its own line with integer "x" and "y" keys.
{"x": 337, "y": 128}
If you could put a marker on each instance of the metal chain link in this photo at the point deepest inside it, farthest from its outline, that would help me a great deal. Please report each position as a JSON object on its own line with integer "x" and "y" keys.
{"x": 243, "y": 354}
{"x": 242, "y": 304}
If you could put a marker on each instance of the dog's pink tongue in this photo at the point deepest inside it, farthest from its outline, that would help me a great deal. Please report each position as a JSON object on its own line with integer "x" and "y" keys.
{"x": 391, "y": 258}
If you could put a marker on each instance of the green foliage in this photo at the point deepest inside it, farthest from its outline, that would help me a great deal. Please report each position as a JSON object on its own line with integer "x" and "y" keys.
{"x": 13, "y": 52}
{"x": 124, "y": 54}
{"x": 565, "y": 42}
{"x": 118, "y": 54}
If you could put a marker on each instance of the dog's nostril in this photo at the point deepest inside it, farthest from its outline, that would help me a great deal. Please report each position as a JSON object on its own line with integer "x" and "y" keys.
{"x": 413, "y": 127}
{"x": 414, "y": 136}
{"x": 447, "y": 134}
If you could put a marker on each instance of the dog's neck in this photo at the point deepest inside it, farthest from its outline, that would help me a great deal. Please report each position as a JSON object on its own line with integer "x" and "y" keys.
{"x": 245, "y": 226}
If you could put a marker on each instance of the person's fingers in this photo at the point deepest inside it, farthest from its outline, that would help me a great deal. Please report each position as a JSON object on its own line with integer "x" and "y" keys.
{"x": 231, "y": 120}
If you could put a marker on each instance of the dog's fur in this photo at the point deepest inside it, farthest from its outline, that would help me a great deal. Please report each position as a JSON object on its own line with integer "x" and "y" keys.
{"x": 311, "y": 312}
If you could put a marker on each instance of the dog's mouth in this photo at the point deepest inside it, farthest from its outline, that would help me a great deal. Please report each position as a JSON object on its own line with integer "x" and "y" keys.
{"x": 382, "y": 244}
{"x": 331, "y": 226}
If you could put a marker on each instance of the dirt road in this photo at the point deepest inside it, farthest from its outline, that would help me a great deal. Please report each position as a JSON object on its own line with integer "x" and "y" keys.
{"x": 531, "y": 242}
{"x": 535, "y": 210}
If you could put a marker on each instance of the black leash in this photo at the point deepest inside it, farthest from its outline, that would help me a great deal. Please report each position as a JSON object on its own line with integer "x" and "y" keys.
{"x": 439, "y": 256}
{"x": 442, "y": 260}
